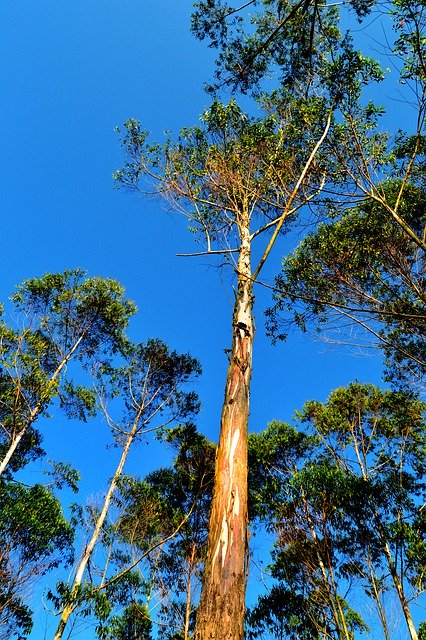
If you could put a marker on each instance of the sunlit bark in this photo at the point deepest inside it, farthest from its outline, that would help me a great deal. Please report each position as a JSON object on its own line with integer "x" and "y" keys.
{"x": 221, "y": 609}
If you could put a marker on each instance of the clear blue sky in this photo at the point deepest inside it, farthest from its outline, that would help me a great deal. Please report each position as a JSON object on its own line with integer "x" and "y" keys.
{"x": 70, "y": 72}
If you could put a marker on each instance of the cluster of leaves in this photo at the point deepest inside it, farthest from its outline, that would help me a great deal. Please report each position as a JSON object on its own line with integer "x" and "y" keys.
{"x": 362, "y": 270}
{"x": 234, "y": 170}
{"x": 349, "y": 517}
{"x": 66, "y": 317}
{"x": 264, "y": 38}
{"x": 35, "y": 537}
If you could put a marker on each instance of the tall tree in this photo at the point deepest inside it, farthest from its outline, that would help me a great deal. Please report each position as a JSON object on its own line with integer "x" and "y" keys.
{"x": 174, "y": 568}
{"x": 239, "y": 180}
{"x": 150, "y": 553}
{"x": 377, "y": 439}
{"x": 151, "y": 384}
{"x": 66, "y": 318}
{"x": 348, "y": 516}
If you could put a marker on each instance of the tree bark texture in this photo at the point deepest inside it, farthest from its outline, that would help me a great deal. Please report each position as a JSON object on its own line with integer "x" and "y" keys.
{"x": 221, "y": 609}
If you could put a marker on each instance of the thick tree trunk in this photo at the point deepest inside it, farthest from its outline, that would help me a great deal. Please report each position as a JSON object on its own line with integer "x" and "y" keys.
{"x": 221, "y": 609}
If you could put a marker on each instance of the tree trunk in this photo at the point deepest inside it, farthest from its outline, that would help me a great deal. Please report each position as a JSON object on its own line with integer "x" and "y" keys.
{"x": 399, "y": 588}
{"x": 376, "y": 594}
{"x": 72, "y": 603}
{"x": 222, "y": 603}
{"x": 16, "y": 439}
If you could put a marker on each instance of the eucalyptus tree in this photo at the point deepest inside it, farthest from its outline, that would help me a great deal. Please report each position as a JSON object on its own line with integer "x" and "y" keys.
{"x": 173, "y": 569}
{"x": 362, "y": 270}
{"x": 65, "y": 318}
{"x": 144, "y": 575}
{"x": 376, "y": 438}
{"x": 294, "y": 494}
{"x": 57, "y": 319}
{"x": 240, "y": 180}
{"x": 348, "y": 518}
{"x": 147, "y": 393}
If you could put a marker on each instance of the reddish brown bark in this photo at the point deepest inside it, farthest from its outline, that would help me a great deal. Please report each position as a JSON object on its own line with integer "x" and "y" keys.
{"x": 221, "y": 608}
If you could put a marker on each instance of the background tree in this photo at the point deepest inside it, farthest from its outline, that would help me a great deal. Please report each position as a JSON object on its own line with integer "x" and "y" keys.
{"x": 66, "y": 318}
{"x": 347, "y": 519}
{"x": 174, "y": 569}
{"x": 63, "y": 317}
{"x": 151, "y": 385}
{"x": 149, "y": 555}
{"x": 377, "y": 439}
{"x": 35, "y": 537}
{"x": 362, "y": 270}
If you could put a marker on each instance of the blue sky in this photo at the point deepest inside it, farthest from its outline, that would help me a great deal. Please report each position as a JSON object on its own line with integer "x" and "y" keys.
{"x": 71, "y": 72}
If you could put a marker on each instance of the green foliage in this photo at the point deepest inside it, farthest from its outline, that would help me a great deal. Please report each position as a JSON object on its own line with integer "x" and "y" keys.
{"x": 282, "y": 614}
{"x": 268, "y": 38}
{"x": 64, "y": 475}
{"x": 275, "y": 454}
{"x": 34, "y": 538}
{"x": 362, "y": 268}
{"x": 264, "y": 39}
{"x": 133, "y": 624}
{"x": 409, "y": 25}
{"x": 344, "y": 499}
{"x": 69, "y": 309}
{"x": 32, "y": 521}
{"x": 149, "y": 389}
{"x": 66, "y": 317}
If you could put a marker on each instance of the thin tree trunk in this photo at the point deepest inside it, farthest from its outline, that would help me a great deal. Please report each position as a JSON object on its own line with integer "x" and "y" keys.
{"x": 376, "y": 593}
{"x": 398, "y": 584}
{"x": 72, "y": 603}
{"x": 39, "y": 406}
{"x": 388, "y": 555}
{"x": 331, "y": 591}
{"x": 188, "y": 604}
{"x": 221, "y": 609}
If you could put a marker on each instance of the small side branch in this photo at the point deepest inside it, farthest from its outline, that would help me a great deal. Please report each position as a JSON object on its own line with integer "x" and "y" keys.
{"x": 207, "y": 253}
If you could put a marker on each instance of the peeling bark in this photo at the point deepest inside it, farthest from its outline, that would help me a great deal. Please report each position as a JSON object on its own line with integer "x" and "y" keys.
{"x": 221, "y": 608}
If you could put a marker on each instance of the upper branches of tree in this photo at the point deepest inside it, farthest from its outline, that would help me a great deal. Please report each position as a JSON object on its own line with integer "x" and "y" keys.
{"x": 263, "y": 39}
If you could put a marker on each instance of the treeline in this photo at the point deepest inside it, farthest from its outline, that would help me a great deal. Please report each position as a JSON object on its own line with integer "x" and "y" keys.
{"x": 340, "y": 491}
